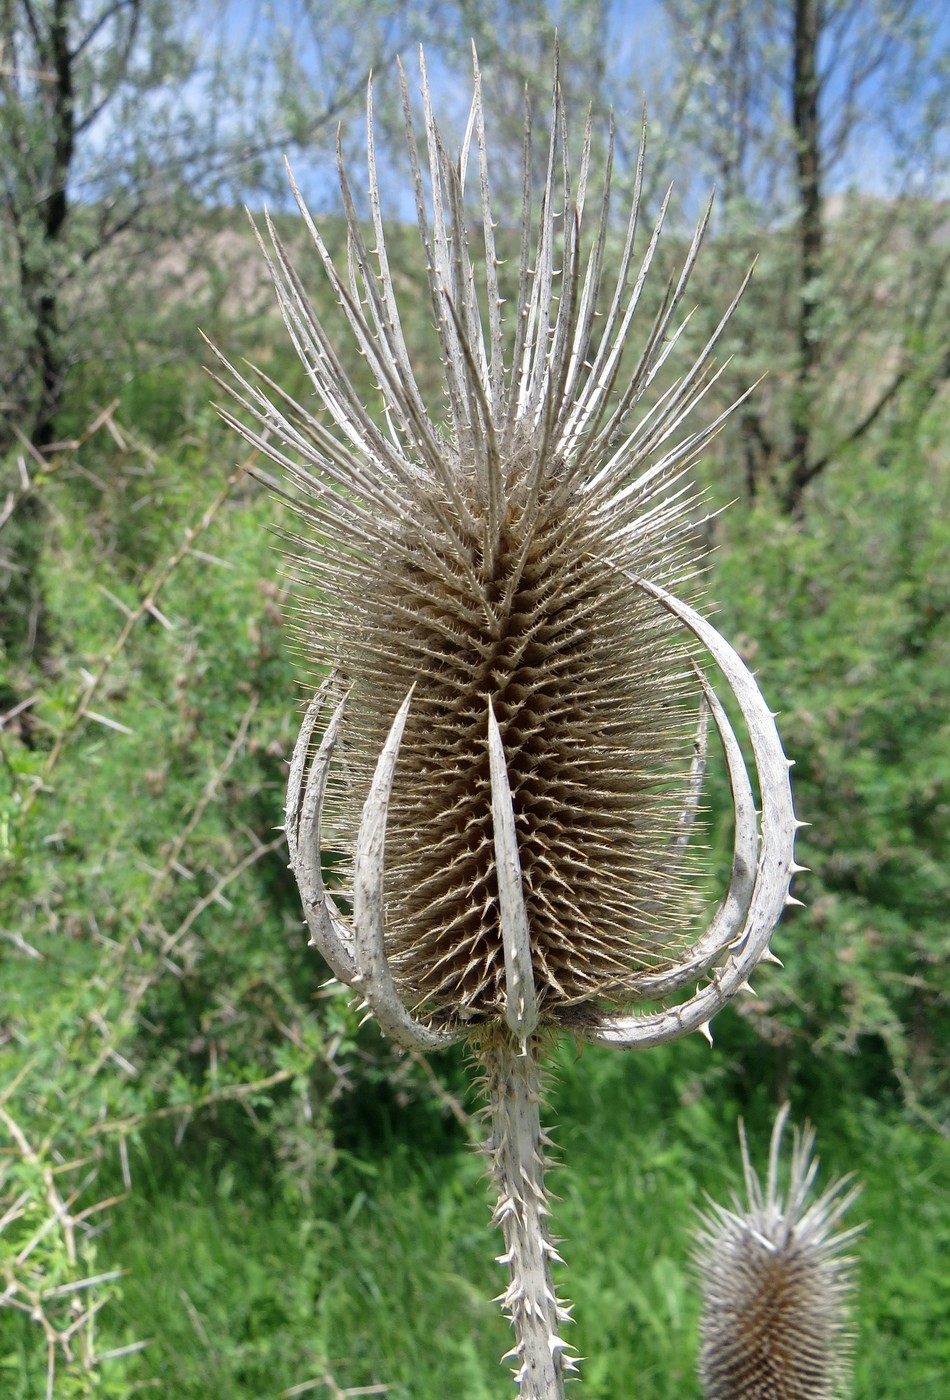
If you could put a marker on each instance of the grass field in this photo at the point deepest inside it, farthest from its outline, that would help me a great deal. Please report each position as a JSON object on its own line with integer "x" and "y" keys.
{"x": 386, "y": 1276}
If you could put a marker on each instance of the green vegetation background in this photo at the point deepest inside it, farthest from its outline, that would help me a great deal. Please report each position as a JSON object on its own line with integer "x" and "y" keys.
{"x": 268, "y": 1195}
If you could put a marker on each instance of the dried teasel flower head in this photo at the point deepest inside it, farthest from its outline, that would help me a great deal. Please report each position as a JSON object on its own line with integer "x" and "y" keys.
{"x": 496, "y": 591}
{"x": 777, "y": 1283}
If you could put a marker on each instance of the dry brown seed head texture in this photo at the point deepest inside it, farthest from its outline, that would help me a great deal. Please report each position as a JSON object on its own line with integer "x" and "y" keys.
{"x": 777, "y": 1284}
{"x": 585, "y": 681}
{"x": 520, "y": 547}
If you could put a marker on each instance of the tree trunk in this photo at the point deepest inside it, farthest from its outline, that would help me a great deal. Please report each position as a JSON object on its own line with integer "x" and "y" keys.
{"x": 810, "y": 233}
{"x": 54, "y": 213}
{"x": 22, "y": 607}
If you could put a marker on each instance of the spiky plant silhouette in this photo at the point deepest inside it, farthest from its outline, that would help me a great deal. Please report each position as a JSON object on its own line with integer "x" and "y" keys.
{"x": 496, "y": 589}
{"x": 777, "y": 1282}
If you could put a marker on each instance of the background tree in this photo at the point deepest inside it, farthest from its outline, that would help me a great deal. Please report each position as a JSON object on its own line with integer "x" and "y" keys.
{"x": 826, "y": 124}
{"x": 123, "y": 124}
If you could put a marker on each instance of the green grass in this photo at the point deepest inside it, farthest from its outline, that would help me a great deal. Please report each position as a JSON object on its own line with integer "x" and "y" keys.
{"x": 388, "y": 1275}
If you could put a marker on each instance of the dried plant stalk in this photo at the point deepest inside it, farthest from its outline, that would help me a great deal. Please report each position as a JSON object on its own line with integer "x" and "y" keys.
{"x": 497, "y": 597}
{"x": 517, "y": 1152}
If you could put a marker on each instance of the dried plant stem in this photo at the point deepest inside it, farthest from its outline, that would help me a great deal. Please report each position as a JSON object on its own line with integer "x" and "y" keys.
{"x": 516, "y": 1148}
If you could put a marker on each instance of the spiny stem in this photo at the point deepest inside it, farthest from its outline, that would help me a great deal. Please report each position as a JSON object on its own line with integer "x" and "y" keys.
{"x": 516, "y": 1149}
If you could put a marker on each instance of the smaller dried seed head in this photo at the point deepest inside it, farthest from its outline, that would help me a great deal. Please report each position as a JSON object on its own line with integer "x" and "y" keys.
{"x": 777, "y": 1284}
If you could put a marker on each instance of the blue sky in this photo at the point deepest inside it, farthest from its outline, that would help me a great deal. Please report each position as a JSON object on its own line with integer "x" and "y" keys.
{"x": 637, "y": 67}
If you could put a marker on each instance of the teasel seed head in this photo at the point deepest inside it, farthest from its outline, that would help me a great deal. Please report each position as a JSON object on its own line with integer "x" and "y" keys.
{"x": 497, "y": 597}
{"x": 777, "y": 1283}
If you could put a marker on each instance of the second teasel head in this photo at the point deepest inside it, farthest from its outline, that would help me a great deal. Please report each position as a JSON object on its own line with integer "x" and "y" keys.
{"x": 498, "y": 585}
{"x": 778, "y": 1282}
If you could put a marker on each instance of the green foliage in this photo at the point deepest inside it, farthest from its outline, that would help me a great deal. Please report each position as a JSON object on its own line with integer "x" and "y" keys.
{"x": 302, "y": 1204}
{"x": 153, "y": 956}
{"x": 847, "y": 619}
{"x": 386, "y": 1277}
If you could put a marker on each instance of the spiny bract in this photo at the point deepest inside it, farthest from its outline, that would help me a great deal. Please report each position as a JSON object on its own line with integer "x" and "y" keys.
{"x": 495, "y": 555}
